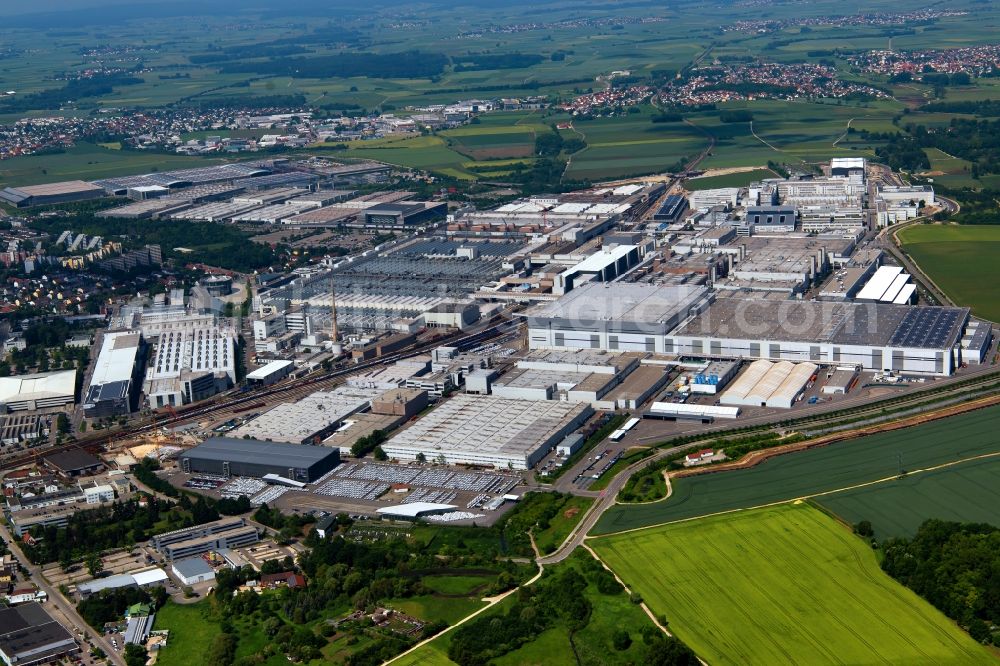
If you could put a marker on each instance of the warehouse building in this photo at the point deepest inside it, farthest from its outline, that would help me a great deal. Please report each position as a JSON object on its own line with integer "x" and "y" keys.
{"x": 73, "y": 463}
{"x": 271, "y": 373}
{"x": 876, "y": 336}
{"x": 51, "y": 193}
{"x": 484, "y": 430}
{"x": 29, "y": 635}
{"x": 766, "y": 384}
{"x": 614, "y": 317}
{"x": 402, "y": 215}
{"x": 142, "y": 579}
{"x": 117, "y": 378}
{"x": 45, "y": 390}
{"x": 710, "y": 379}
{"x": 671, "y": 209}
{"x": 192, "y": 570}
{"x": 227, "y": 457}
{"x": 722, "y": 196}
{"x": 311, "y": 419}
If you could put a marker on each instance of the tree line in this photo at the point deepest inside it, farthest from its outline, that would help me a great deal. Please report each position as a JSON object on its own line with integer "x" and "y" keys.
{"x": 956, "y": 567}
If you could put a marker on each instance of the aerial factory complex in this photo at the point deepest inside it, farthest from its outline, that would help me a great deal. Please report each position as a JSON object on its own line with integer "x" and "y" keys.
{"x": 548, "y": 333}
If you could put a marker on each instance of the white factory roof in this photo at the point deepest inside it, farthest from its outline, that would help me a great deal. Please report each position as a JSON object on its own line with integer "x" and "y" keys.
{"x": 415, "y": 509}
{"x": 149, "y": 577}
{"x": 37, "y": 387}
{"x": 879, "y": 283}
{"x": 770, "y": 384}
{"x": 847, "y": 163}
{"x": 897, "y": 285}
{"x": 470, "y": 428}
{"x": 571, "y": 208}
{"x": 620, "y": 301}
{"x": 627, "y": 190}
{"x": 905, "y": 294}
{"x": 693, "y": 410}
{"x": 296, "y": 421}
{"x": 269, "y": 369}
{"x": 117, "y": 357}
{"x": 602, "y": 259}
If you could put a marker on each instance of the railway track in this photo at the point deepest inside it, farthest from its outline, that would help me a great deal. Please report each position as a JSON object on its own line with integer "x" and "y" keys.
{"x": 253, "y": 399}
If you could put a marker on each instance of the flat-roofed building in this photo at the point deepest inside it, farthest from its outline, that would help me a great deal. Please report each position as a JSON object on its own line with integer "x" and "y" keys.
{"x": 73, "y": 463}
{"x": 485, "y": 430}
{"x": 310, "y": 419}
{"x": 192, "y": 570}
{"x": 271, "y": 373}
{"x": 218, "y": 534}
{"x": 875, "y": 336}
{"x": 614, "y": 316}
{"x": 29, "y": 635}
{"x": 45, "y": 390}
{"x": 115, "y": 383}
{"x": 51, "y": 193}
{"x": 227, "y": 456}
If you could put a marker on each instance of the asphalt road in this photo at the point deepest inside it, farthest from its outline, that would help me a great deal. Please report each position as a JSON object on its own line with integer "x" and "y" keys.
{"x": 57, "y": 606}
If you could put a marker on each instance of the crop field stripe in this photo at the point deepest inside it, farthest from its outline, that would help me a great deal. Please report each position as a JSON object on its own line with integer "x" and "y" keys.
{"x": 785, "y": 584}
{"x": 815, "y": 472}
{"x": 813, "y": 496}
{"x": 966, "y": 494}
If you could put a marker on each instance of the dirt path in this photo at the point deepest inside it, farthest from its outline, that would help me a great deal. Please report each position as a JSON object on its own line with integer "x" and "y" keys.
{"x": 758, "y": 137}
{"x": 490, "y": 603}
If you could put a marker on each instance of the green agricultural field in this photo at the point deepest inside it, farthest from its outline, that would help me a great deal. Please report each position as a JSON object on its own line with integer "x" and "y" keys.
{"x": 740, "y": 179}
{"x": 790, "y": 132}
{"x": 965, "y": 493}
{"x": 89, "y": 162}
{"x": 432, "y": 608}
{"x": 824, "y": 469}
{"x": 948, "y": 170}
{"x": 191, "y": 632}
{"x": 632, "y": 145}
{"x": 959, "y": 259}
{"x": 784, "y": 584}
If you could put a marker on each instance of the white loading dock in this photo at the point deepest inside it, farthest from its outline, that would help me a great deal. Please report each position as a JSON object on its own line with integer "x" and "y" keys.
{"x": 679, "y": 411}
{"x": 767, "y": 384}
{"x": 273, "y": 372}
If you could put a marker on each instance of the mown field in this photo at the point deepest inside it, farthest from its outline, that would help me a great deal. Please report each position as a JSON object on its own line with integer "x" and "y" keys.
{"x": 739, "y": 179}
{"x": 632, "y": 145}
{"x": 796, "y": 132}
{"x": 968, "y": 492}
{"x": 87, "y": 161}
{"x": 961, "y": 260}
{"x": 817, "y": 470}
{"x": 782, "y": 585}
